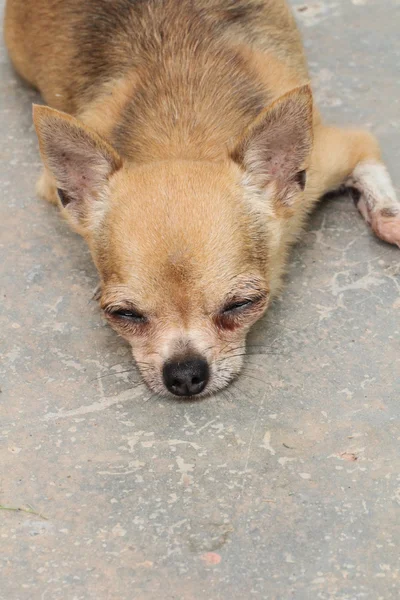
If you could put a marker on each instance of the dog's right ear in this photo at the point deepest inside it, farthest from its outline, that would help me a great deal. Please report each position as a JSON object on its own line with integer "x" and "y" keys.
{"x": 80, "y": 161}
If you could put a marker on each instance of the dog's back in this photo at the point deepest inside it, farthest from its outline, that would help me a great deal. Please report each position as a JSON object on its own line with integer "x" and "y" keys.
{"x": 163, "y": 60}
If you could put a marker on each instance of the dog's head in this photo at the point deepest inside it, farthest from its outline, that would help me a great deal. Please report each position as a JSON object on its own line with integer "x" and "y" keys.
{"x": 189, "y": 252}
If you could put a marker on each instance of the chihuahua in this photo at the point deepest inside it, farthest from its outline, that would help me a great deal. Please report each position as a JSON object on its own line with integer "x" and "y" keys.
{"x": 183, "y": 144}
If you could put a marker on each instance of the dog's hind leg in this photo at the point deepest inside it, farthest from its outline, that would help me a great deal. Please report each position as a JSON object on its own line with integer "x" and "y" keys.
{"x": 350, "y": 160}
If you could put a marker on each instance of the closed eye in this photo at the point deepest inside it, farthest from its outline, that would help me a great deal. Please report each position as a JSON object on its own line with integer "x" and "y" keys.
{"x": 127, "y": 315}
{"x": 239, "y": 313}
{"x": 237, "y": 306}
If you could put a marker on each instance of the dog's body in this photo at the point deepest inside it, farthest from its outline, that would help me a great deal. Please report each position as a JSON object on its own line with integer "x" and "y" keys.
{"x": 195, "y": 159}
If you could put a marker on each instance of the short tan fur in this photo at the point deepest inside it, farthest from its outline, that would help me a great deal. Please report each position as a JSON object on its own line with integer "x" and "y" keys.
{"x": 190, "y": 157}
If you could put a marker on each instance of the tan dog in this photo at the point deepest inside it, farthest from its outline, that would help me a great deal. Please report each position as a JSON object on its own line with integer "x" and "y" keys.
{"x": 191, "y": 162}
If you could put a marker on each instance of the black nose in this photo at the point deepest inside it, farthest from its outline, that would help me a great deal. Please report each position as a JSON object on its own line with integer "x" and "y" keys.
{"x": 186, "y": 377}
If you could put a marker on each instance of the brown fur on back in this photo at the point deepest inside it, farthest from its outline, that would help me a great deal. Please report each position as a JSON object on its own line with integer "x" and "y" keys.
{"x": 161, "y": 62}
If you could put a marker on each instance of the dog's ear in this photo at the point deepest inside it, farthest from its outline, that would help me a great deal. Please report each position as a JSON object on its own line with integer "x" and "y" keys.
{"x": 275, "y": 148}
{"x": 80, "y": 161}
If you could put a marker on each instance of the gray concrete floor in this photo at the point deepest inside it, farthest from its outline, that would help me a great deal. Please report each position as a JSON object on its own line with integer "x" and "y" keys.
{"x": 288, "y": 485}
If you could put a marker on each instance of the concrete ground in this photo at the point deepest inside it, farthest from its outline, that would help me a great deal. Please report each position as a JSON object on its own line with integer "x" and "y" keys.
{"x": 285, "y": 486}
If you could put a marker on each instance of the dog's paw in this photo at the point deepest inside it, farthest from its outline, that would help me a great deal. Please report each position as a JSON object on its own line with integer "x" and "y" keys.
{"x": 376, "y": 200}
{"x": 46, "y": 188}
{"x": 386, "y": 225}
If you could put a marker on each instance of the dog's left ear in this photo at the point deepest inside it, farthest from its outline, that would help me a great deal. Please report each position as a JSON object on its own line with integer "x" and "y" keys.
{"x": 80, "y": 161}
{"x": 276, "y": 146}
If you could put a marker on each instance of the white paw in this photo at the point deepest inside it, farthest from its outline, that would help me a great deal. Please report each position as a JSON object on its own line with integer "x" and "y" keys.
{"x": 377, "y": 201}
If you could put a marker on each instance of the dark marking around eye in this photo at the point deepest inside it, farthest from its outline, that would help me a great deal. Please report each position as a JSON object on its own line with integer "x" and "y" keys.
{"x": 224, "y": 322}
{"x": 235, "y": 314}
